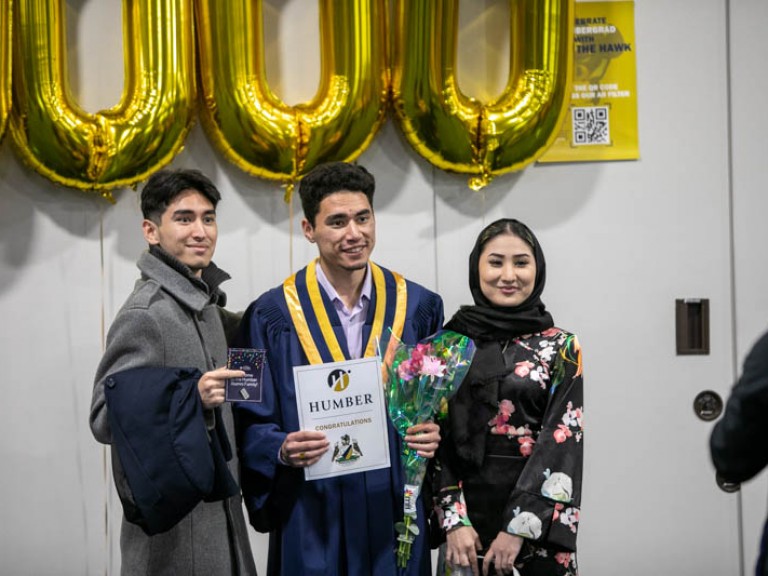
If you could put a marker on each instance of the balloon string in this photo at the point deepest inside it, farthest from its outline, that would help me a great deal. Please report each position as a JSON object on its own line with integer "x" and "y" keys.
{"x": 102, "y": 336}
{"x": 290, "y": 234}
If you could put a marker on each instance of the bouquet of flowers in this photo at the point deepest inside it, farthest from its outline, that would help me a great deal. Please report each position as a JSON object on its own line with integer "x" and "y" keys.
{"x": 418, "y": 379}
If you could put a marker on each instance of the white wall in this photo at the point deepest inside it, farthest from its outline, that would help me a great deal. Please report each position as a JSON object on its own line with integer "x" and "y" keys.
{"x": 622, "y": 240}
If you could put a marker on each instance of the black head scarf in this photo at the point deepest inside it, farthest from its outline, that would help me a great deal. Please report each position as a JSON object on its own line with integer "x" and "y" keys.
{"x": 487, "y": 321}
{"x": 477, "y": 399}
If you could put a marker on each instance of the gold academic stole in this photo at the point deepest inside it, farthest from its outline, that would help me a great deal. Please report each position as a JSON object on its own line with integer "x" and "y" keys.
{"x": 313, "y": 288}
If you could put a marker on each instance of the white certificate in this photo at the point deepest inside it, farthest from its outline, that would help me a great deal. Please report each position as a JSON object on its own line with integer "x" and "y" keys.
{"x": 344, "y": 400}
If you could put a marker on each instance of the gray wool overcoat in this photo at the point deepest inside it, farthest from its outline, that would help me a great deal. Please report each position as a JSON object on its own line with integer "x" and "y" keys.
{"x": 171, "y": 320}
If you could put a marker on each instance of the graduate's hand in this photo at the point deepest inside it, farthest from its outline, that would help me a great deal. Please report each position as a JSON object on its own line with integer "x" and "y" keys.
{"x": 502, "y": 553}
{"x": 424, "y": 438}
{"x": 462, "y": 546}
{"x": 212, "y": 386}
{"x": 303, "y": 448}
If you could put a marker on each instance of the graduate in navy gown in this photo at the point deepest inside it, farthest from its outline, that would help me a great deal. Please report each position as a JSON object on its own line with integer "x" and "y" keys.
{"x": 334, "y": 309}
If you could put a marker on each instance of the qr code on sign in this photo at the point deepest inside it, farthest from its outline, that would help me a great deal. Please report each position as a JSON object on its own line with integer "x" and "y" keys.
{"x": 591, "y": 125}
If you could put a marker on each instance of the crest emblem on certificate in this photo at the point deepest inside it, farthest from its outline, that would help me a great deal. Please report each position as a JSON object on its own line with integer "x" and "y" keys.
{"x": 346, "y": 450}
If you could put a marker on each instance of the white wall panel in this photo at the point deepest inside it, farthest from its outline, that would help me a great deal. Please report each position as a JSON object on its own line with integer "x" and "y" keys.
{"x": 52, "y": 487}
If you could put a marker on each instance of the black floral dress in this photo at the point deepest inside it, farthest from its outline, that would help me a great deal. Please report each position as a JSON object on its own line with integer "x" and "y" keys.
{"x": 511, "y": 455}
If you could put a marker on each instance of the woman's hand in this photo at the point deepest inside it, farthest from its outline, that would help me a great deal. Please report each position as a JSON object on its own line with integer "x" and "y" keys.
{"x": 503, "y": 552}
{"x": 461, "y": 548}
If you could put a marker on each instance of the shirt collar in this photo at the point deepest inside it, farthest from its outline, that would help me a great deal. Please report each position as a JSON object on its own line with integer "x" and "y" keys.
{"x": 365, "y": 293}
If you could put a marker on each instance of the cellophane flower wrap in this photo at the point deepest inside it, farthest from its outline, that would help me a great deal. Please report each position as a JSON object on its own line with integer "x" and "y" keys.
{"x": 419, "y": 379}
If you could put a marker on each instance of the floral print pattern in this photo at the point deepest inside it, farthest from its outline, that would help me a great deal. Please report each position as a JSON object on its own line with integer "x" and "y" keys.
{"x": 538, "y": 419}
{"x": 453, "y": 511}
{"x": 500, "y": 426}
{"x": 525, "y": 524}
{"x": 567, "y": 516}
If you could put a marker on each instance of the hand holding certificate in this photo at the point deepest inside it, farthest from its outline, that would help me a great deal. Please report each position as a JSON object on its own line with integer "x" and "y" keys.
{"x": 303, "y": 448}
{"x": 247, "y": 388}
{"x": 344, "y": 400}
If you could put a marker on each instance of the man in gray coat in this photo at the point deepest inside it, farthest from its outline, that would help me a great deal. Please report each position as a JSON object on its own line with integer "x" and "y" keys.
{"x": 172, "y": 320}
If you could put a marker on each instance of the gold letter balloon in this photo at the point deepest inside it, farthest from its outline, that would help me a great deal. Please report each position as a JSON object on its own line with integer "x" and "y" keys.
{"x": 5, "y": 64}
{"x": 458, "y": 133}
{"x": 259, "y": 133}
{"x": 115, "y": 147}
{"x": 251, "y": 126}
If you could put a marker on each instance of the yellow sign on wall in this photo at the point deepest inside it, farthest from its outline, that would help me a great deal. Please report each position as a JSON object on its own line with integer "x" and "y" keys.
{"x": 601, "y": 123}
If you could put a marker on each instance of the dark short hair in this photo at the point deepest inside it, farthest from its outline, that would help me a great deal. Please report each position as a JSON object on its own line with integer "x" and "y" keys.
{"x": 163, "y": 186}
{"x": 332, "y": 177}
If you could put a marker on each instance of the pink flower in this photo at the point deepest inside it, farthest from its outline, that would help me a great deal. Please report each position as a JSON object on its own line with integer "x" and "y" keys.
{"x": 423, "y": 348}
{"x": 432, "y": 366}
{"x": 562, "y": 433}
{"x": 405, "y": 371}
{"x": 526, "y": 445}
{"x": 522, "y": 369}
{"x": 417, "y": 356}
{"x": 563, "y": 558}
{"x": 556, "y": 513}
{"x": 499, "y": 424}
{"x": 506, "y": 408}
{"x": 550, "y": 332}
{"x": 498, "y": 420}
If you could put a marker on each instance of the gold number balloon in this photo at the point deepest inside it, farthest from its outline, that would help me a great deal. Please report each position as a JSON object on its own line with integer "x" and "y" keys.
{"x": 124, "y": 144}
{"x": 259, "y": 133}
{"x": 458, "y": 133}
{"x": 5, "y": 63}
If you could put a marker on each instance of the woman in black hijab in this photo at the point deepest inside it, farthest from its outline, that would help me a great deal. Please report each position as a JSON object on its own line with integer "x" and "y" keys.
{"x": 508, "y": 478}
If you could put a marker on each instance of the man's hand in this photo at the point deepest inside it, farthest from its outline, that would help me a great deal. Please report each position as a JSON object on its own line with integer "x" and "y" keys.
{"x": 212, "y": 386}
{"x": 303, "y": 448}
{"x": 424, "y": 438}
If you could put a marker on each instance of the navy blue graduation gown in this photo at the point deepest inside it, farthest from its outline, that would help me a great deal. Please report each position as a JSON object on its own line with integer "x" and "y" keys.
{"x": 341, "y": 526}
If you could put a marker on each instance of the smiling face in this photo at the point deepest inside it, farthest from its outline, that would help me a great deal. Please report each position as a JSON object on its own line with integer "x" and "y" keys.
{"x": 187, "y": 230}
{"x": 344, "y": 231}
{"x": 507, "y": 270}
